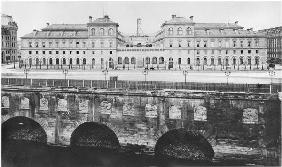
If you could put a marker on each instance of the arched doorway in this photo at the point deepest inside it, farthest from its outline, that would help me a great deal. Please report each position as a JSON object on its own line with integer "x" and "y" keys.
{"x": 57, "y": 61}
{"x": 84, "y": 61}
{"x": 111, "y": 63}
{"x": 170, "y": 63}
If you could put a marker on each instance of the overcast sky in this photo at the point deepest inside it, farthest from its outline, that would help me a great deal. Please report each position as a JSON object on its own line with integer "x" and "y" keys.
{"x": 35, "y": 15}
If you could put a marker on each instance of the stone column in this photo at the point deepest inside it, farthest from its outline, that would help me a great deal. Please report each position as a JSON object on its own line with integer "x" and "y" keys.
{"x": 161, "y": 116}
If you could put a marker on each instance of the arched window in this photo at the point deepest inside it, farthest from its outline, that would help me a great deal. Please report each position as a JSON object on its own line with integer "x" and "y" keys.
{"x": 234, "y": 61}
{"x": 37, "y": 61}
{"x": 133, "y": 60}
{"x": 119, "y": 60}
{"x": 189, "y": 31}
{"x": 30, "y": 61}
{"x": 212, "y": 61}
{"x": 93, "y": 31}
{"x": 50, "y": 61}
{"x": 249, "y": 60}
{"x": 170, "y": 31}
{"x": 154, "y": 60}
{"x": 219, "y": 61}
{"x": 111, "y": 31}
{"x": 205, "y": 61}
{"x": 188, "y": 61}
{"x": 70, "y": 61}
{"x": 93, "y": 61}
{"x": 64, "y": 61}
{"x": 179, "y": 60}
{"x": 84, "y": 61}
{"x": 241, "y": 60}
{"x": 147, "y": 60}
{"x": 77, "y": 61}
{"x": 161, "y": 60}
{"x": 257, "y": 60}
{"x": 57, "y": 61}
{"x": 102, "y": 31}
{"x": 126, "y": 60}
{"x": 179, "y": 31}
{"x": 198, "y": 61}
{"x": 44, "y": 61}
{"x": 226, "y": 61}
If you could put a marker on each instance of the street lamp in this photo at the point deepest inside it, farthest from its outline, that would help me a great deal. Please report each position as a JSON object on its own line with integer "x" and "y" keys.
{"x": 26, "y": 71}
{"x": 65, "y": 71}
{"x": 105, "y": 73}
{"x": 185, "y": 72}
{"x": 227, "y": 74}
{"x": 271, "y": 73}
{"x": 145, "y": 73}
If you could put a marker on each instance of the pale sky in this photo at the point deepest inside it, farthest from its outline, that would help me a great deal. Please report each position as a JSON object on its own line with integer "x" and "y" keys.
{"x": 35, "y": 15}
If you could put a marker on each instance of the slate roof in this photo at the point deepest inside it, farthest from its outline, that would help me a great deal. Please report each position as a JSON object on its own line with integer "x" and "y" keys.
{"x": 65, "y": 27}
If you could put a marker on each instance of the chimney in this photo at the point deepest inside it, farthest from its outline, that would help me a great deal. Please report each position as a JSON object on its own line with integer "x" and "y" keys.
{"x": 173, "y": 16}
{"x": 34, "y": 30}
{"x": 90, "y": 19}
{"x": 191, "y": 18}
{"x": 47, "y": 24}
{"x": 106, "y": 16}
{"x": 236, "y": 22}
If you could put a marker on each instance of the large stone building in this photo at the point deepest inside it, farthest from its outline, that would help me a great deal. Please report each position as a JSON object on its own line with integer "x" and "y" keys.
{"x": 9, "y": 39}
{"x": 181, "y": 43}
{"x": 274, "y": 44}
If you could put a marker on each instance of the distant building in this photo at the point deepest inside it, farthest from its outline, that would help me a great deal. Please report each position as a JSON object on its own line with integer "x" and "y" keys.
{"x": 181, "y": 43}
{"x": 274, "y": 44}
{"x": 9, "y": 39}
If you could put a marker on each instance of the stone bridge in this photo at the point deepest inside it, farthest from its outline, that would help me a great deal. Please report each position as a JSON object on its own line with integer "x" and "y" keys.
{"x": 138, "y": 117}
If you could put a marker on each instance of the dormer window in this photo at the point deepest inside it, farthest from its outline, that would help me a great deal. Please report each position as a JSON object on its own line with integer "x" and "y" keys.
{"x": 30, "y": 44}
{"x": 205, "y": 43}
{"x": 111, "y": 32}
{"x": 221, "y": 31}
{"x": 179, "y": 31}
{"x": 93, "y": 31}
{"x": 102, "y": 31}
{"x": 198, "y": 43}
{"x": 189, "y": 31}
{"x": 170, "y": 31}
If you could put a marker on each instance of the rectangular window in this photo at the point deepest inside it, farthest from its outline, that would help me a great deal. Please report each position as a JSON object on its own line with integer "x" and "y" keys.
{"x": 242, "y": 43}
{"x": 93, "y": 52}
{"x": 77, "y": 43}
{"x": 249, "y": 51}
{"x": 30, "y": 44}
{"x": 30, "y": 52}
{"x": 226, "y": 51}
{"x": 242, "y": 52}
{"x": 102, "y": 44}
{"x": 234, "y": 51}
{"x": 64, "y": 52}
{"x": 249, "y": 43}
{"x": 257, "y": 51}
{"x": 188, "y": 51}
{"x": 50, "y": 52}
{"x": 198, "y": 52}
{"x": 93, "y": 44}
{"x": 234, "y": 44}
{"x": 57, "y": 52}
{"x": 70, "y": 52}
{"x": 83, "y": 52}
{"x": 111, "y": 44}
{"x": 77, "y": 52}
{"x": 188, "y": 44}
{"x": 43, "y": 52}
{"x": 43, "y": 44}
{"x": 36, "y": 52}
{"x": 111, "y": 52}
{"x": 205, "y": 44}
{"x": 198, "y": 44}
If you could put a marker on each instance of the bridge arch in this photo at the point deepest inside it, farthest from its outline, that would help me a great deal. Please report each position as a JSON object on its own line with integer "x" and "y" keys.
{"x": 185, "y": 145}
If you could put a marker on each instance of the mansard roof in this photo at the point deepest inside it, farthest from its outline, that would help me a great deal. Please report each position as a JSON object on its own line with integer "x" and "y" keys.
{"x": 65, "y": 27}
{"x": 217, "y": 26}
{"x": 177, "y": 21}
{"x": 57, "y": 34}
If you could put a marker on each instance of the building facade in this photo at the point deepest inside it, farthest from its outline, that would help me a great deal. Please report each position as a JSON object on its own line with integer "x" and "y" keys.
{"x": 181, "y": 43}
{"x": 274, "y": 44}
{"x": 9, "y": 39}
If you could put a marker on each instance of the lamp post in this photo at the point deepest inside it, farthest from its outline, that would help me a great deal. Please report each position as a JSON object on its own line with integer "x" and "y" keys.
{"x": 271, "y": 73}
{"x": 26, "y": 71}
{"x": 185, "y": 72}
{"x": 227, "y": 74}
{"x": 105, "y": 72}
{"x": 65, "y": 72}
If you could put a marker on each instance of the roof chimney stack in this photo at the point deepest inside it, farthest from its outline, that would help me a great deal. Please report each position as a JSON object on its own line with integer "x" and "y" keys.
{"x": 90, "y": 19}
{"x": 236, "y": 22}
{"x": 47, "y": 24}
{"x": 191, "y": 18}
{"x": 173, "y": 16}
{"x": 106, "y": 16}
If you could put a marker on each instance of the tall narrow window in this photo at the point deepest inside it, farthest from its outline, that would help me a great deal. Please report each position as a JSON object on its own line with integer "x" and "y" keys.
{"x": 188, "y": 61}
{"x": 102, "y": 31}
{"x": 189, "y": 31}
{"x": 93, "y": 31}
{"x": 179, "y": 31}
{"x": 111, "y": 32}
{"x": 170, "y": 31}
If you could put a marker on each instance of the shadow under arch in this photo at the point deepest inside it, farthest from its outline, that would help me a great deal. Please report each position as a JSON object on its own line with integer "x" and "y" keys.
{"x": 22, "y": 128}
{"x": 180, "y": 146}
